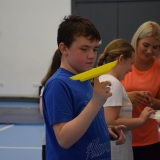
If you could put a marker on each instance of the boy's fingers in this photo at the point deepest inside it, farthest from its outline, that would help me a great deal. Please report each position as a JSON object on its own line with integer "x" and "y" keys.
{"x": 96, "y": 80}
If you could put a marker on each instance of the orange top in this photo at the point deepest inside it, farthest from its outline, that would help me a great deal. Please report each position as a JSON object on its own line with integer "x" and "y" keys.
{"x": 144, "y": 81}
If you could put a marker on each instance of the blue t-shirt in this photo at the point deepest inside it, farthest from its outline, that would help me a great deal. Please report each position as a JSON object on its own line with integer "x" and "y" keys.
{"x": 63, "y": 100}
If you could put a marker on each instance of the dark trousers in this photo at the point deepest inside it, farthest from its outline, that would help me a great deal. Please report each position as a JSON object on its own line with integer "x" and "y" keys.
{"x": 43, "y": 152}
{"x": 150, "y": 152}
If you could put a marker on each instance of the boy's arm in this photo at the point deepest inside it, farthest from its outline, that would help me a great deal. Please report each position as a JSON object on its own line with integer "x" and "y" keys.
{"x": 67, "y": 133}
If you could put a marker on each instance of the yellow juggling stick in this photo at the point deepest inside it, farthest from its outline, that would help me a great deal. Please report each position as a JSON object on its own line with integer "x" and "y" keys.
{"x": 94, "y": 72}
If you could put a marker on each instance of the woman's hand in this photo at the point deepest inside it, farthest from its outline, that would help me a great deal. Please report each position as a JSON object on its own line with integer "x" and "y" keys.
{"x": 139, "y": 97}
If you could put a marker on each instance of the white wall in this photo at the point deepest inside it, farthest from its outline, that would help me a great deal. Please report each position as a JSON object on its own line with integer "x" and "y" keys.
{"x": 28, "y": 32}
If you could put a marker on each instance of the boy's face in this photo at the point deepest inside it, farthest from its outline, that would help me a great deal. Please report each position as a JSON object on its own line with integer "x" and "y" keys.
{"x": 80, "y": 56}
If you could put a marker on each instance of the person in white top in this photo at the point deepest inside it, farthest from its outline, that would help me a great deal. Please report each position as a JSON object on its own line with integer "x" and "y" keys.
{"x": 118, "y": 107}
{"x": 55, "y": 64}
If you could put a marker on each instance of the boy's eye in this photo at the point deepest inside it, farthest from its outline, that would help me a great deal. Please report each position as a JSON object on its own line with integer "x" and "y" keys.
{"x": 87, "y": 49}
{"x": 95, "y": 49}
{"x": 156, "y": 47}
{"x": 84, "y": 49}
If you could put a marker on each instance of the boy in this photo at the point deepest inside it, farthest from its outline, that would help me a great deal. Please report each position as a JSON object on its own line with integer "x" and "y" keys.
{"x": 73, "y": 110}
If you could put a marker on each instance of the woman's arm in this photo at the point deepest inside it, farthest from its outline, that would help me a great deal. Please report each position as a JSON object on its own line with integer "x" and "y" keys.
{"x": 155, "y": 102}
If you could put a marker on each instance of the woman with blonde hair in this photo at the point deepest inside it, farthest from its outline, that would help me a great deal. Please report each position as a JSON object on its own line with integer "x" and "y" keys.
{"x": 145, "y": 76}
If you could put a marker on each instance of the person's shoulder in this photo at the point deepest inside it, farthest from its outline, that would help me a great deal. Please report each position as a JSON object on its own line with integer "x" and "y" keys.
{"x": 62, "y": 73}
{"x": 60, "y": 77}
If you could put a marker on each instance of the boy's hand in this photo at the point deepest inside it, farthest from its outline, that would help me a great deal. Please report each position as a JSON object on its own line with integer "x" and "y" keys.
{"x": 101, "y": 90}
{"x": 117, "y": 134}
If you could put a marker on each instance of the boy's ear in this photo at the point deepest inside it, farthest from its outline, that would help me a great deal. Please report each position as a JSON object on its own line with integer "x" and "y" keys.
{"x": 62, "y": 48}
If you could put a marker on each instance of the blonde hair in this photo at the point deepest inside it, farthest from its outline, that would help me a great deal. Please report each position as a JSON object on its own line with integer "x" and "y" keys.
{"x": 114, "y": 49}
{"x": 147, "y": 29}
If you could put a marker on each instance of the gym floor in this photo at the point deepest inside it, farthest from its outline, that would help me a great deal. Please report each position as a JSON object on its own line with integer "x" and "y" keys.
{"x": 21, "y": 141}
{"x": 21, "y": 129}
